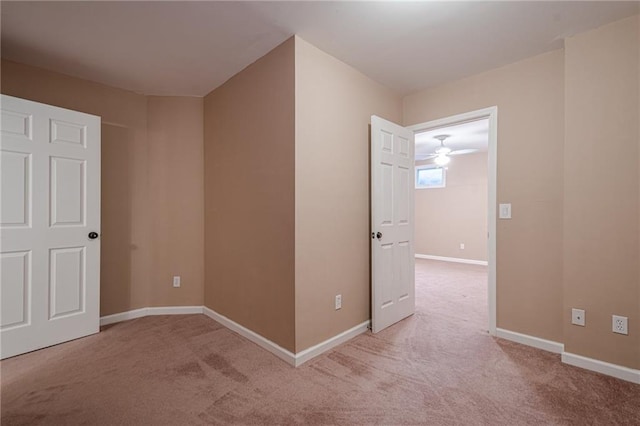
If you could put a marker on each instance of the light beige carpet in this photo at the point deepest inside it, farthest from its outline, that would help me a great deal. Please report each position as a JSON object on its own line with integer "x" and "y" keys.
{"x": 438, "y": 367}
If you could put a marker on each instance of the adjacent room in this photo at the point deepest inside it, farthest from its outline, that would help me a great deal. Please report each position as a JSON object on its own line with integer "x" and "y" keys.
{"x": 320, "y": 213}
{"x": 451, "y": 217}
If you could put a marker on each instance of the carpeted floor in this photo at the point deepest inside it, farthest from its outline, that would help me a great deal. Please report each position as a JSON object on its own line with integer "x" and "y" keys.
{"x": 438, "y": 367}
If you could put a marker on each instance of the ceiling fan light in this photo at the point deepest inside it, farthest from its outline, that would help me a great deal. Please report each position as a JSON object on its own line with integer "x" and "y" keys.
{"x": 442, "y": 160}
{"x": 443, "y": 150}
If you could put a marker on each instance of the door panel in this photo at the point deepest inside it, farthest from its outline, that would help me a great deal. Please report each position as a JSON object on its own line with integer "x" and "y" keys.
{"x": 385, "y": 275}
{"x": 71, "y": 133}
{"x": 402, "y": 195}
{"x": 67, "y": 191}
{"x": 15, "y": 175}
{"x": 392, "y": 251}
{"x": 16, "y": 124}
{"x": 67, "y": 281}
{"x": 386, "y": 183}
{"x": 50, "y": 201}
{"x": 15, "y": 268}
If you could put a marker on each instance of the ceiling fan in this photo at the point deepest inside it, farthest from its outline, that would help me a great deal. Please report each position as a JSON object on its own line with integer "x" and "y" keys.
{"x": 441, "y": 155}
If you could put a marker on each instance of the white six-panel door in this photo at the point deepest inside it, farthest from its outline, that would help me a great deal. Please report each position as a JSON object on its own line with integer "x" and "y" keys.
{"x": 392, "y": 212}
{"x": 49, "y": 203}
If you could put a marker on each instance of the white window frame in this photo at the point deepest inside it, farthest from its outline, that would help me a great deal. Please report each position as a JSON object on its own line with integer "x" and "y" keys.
{"x": 431, "y": 166}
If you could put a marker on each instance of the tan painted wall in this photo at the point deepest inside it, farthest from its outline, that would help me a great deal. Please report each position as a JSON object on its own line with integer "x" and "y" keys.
{"x": 176, "y": 191}
{"x": 285, "y": 232}
{"x": 334, "y": 104}
{"x": 130, "y": 251}
{"x": 457, "y": 213}
{"x": 529, "y": 97}
{"x": 249, "y": 197}
{"x": 601, "y": 175}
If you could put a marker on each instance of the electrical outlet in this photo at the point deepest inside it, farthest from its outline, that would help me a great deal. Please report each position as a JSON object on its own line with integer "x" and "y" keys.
{"x": 338, "y": 301}
{"x": 176, "y": 281}
{"x": 578, "y": 317}
{"x": 620, "y": 324}
{"x": 461, "y": 246}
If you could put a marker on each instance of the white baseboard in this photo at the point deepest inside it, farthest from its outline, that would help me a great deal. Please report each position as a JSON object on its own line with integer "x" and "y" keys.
{"x": 143, "y": 312}
{"x": 452, "y": 259}
{"x": 536, "y": 342}
{"x": 123, "y": 316}
{"x": 314, "y": 351}
{"x": 282, "y": 353}
{"x": 613, "y": 370}
{"x": 263, "y": 342}
{"x": 175, "y": 310}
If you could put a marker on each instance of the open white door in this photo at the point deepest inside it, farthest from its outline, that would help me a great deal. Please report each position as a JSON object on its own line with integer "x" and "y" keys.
{"x": 49, "y": 224}
{"x": 392, "y": 250}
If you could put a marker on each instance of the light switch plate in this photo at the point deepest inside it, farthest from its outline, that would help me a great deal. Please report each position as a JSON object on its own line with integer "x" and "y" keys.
{"x": 504, "y": 211}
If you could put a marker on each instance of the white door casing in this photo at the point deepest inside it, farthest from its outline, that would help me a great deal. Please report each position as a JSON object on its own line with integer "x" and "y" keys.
{"x": 49, "y": 203}
{"x": 392, "y": 216}
{"x": 490, "y": 114}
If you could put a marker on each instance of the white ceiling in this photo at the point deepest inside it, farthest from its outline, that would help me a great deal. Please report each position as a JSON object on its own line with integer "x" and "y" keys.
{"x": 470, "y": 135}
{"x": 189, "y": 48}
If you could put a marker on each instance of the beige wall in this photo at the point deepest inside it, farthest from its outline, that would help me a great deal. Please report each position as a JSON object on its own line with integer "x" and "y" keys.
{"x": 334, "y": 104}
{"x": 286, "y": 189}
{"x": 249, "y": 197}
{"x": 529, "y": 97}
{"x": 176, "y": 196}
{"x": 569, "y": 162}
{"x": 446, "y": 217}
{"x": 601, "y": 175}
{"x": 129, "y": 279}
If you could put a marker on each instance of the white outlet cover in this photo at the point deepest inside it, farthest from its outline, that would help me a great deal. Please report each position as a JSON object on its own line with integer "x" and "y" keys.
{"x": 578, "y": 317}
{"x": 620, "y": 324}
{"x": 176, "y": 281}
{"x": 504, "y": 211}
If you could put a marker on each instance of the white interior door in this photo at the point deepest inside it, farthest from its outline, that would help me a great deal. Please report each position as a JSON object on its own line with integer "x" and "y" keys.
{"x": 392, "y": 246}
{"x": 49, "y": 204}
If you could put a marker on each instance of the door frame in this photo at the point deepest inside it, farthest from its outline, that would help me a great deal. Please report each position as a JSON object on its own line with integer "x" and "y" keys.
{"x": 490, "y": 113}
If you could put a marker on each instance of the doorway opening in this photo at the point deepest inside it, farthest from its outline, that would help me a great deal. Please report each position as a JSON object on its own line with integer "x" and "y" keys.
{"x": 455, "y": 211}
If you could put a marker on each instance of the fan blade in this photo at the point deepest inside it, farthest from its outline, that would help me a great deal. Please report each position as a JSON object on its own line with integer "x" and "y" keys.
{"x": 425, "y": 157}
{"x": 462, "y": 151}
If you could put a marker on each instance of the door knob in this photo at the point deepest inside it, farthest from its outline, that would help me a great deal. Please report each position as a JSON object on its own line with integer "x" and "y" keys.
{"x": 379, "y": 235}
{"x": 93, "y": 235}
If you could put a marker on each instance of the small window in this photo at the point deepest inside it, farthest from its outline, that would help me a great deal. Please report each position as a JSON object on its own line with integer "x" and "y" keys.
{"x": 430, "y": 177}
